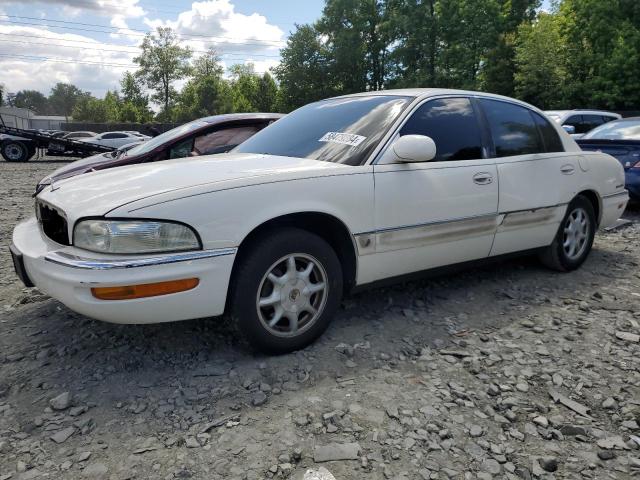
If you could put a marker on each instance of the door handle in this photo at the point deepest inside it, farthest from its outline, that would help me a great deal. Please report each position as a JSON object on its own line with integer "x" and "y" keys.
{"x": 482, "y": 178}
{"x": 567, "y": 169}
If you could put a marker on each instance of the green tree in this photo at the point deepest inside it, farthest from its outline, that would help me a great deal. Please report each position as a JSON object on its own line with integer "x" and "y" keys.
{"x": 498, "y": 72}
{"x": 33, "y": 100}
{"x": 414, "y": 28}
{"x": 358, "y": 37}
{"x": 244, "y": 87}
{"x": 135, "y": 103}
{"x": 304, "y": 69}
{"x": 540, "y": 60}
{"x": 90, "y": 109}
{"x": 267, "y": 94}
{"x": 64, "y": 97}
{"x": 162, "y": 62}
{"x": 208, "y": 65}
{"x": 603, "y": 50}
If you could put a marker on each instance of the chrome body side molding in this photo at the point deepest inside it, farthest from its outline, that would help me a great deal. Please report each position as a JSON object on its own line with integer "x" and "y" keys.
{"x": 73, "y": 261}
{"x": 414, "y": 236}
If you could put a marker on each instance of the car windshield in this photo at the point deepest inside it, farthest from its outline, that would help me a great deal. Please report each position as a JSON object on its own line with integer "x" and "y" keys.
{"x": 622, "y": 130}
{"x": 341, "y": 130}
{"x": 167, "y": 137}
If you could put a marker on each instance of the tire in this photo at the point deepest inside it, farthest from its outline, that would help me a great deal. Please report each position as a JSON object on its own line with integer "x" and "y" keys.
{"x": 264, "y": 273}
{"x": 13, "y": 151}
{"x": 574, "y": 239}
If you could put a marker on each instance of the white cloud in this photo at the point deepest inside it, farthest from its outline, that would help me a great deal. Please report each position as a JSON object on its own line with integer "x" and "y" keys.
{"x": 126, "y": 8}
{"x": 238, "y": 38}
{"x": 21, "y": 71}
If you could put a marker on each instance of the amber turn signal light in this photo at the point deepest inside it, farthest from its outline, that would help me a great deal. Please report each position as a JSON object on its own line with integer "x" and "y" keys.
{"x": 129, "y": 292}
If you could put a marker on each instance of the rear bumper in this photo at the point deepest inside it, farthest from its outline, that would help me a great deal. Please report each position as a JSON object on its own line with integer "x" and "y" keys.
{"x": 68, "y": 274}
{"x": 613, "y": 207}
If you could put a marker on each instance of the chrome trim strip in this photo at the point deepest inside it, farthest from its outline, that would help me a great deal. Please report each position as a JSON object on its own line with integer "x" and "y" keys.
{"x": 618, "y": 194}
{"x": 73, "y": 261}
{"x": 428, "y": 224}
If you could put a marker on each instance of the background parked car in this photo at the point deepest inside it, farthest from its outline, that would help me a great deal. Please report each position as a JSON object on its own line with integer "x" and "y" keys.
{"x": 216, "y": 134}
{"x": 116, "y": 139}
{"x": 579, "y": 122}
{"x": 60, "y": 149}
{"x": 620, "y": 139}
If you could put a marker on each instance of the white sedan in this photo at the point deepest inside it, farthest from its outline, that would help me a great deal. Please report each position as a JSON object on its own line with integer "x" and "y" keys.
{"x": 340, "y": 193}
{"x": 116, "y": 139}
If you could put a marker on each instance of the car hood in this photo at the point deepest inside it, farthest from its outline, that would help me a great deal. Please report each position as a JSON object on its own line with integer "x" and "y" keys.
{"x": 97, "y": 193}
{"x": 97, "y": 162}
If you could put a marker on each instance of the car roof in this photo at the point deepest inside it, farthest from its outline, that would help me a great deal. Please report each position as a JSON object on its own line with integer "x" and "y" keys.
{"x": 230, "y": 117}
{"x": 433, "y": 92}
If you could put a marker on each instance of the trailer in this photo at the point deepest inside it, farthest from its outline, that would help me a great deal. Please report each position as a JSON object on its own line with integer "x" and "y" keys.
{"x": 19, "y": 145}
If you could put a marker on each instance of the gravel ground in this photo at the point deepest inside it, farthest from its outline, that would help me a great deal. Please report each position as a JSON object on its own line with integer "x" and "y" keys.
{"x": 505, "y": 371}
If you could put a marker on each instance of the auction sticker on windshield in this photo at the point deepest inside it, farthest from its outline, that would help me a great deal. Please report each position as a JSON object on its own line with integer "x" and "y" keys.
{"x": 344, "y": 138}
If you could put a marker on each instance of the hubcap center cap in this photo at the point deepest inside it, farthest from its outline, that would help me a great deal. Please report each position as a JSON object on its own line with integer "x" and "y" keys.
{"x": 293, "y": 295}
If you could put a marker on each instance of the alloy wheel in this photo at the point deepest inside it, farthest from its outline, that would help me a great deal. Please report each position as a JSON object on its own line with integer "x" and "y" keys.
{"x": 576, "y": 233}
{"x": 292, "y": 295}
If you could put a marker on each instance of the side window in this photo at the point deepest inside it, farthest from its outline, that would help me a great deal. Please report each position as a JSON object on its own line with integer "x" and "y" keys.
{"x": 453, "y": 126}
{"x": 223, "y": 140}
{"x": 550, "y": 137}
{"x": 590, "y": 122}
{"x": 574, "y": 121}
{"x": 181, "y": 149}
{"x": 512, "y": 129}
{"x": 608, "y": 119}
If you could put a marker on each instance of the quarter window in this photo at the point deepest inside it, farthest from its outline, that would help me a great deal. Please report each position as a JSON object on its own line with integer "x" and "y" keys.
{"x": 550, "y": 137}
{"x": 512, "y": 128}
{"x": 453, "y": 126}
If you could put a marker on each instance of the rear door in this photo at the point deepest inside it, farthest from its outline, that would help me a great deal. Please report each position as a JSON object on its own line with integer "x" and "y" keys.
{"x": 535, "y": 175}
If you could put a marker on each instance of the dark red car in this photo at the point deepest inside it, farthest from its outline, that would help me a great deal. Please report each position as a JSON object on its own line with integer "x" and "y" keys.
{"x": 205, "y": 136}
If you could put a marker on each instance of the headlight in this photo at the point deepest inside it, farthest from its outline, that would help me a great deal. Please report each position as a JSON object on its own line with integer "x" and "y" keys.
{"x": 134, "y": 236}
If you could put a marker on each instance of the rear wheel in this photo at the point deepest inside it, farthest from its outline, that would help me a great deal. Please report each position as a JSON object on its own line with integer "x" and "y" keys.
{"x": 13, "y": 151}
{"x": 574, "y": 238}
{"x": 286, "y": 290}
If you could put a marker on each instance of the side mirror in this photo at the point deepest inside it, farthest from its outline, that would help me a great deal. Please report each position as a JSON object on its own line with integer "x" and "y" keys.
{"x": 414, "y": 148}
{"x": 570, "y": 129}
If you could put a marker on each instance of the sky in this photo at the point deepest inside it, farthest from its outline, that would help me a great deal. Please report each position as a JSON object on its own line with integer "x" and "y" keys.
{"x": 91, "y": 43}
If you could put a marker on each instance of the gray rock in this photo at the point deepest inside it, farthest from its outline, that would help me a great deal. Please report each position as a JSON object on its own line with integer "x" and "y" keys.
{"x": 259, "y": 398}
{"x": 476, "y": 431}
{"x": 63, "y": 435}
{"x": 95, "y": 470}
{"x": 61, "y": 402}
{"x": 336, "y": 451}
{"x": 548, "y": 464}
{"x": 490, "y": 466}
{"x": 609, "y": 403}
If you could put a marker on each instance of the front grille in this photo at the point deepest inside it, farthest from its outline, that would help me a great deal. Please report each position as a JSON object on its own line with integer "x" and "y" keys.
{"x": 53, "y": 224}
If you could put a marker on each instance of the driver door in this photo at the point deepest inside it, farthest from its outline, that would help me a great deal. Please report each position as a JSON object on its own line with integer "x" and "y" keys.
{"x": 441, "y": 212}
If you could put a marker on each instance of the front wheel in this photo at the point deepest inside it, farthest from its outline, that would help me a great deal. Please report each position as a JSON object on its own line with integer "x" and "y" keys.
{"x": 574, "y": 238}
{"x": 285, "y": 291}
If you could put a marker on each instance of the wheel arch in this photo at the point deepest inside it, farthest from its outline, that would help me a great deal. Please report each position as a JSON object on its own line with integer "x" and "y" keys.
{"x": 330, "y": 228}
{"x": 596, "y": 202}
